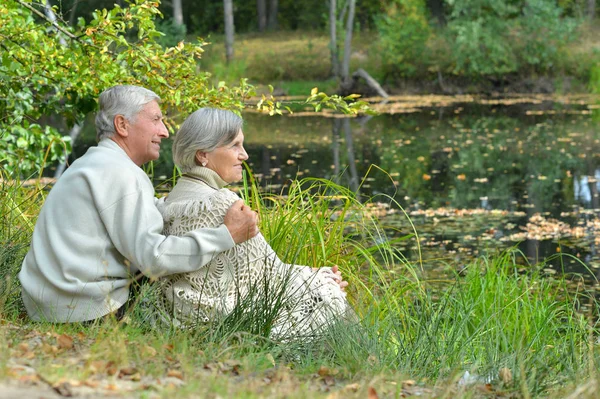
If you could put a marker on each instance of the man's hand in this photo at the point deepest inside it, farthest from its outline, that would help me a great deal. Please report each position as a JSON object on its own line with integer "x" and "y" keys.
{"x": 241, "y": 221}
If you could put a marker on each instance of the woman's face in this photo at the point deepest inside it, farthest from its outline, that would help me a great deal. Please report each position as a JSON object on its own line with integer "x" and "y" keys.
{"x": 227, "y": 160}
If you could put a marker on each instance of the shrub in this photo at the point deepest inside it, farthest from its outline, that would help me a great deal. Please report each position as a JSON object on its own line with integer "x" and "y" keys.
{"x": 404, "y": 31}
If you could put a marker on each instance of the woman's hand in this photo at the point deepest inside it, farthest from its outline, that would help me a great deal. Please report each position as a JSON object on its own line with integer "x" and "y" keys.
{"x": 338, "y": 277}
{"x": 335, "y": 274}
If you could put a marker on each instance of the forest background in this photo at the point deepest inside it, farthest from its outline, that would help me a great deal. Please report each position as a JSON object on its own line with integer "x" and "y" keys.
{"x": 426, "y": 46}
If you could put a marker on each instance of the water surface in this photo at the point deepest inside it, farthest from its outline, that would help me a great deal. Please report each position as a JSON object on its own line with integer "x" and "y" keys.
{"x": 476, "y": 175}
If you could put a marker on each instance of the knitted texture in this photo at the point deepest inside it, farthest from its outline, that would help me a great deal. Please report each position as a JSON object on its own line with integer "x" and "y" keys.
{"x": 309, "y": 299}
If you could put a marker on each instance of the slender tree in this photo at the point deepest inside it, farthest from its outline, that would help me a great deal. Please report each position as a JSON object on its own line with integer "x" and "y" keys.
{"x": 333, "y": 47}
{"x": 73, "y": 12}
{"x": 272, "y": 18}
{"x": 591, "y": 9}
{"x": 348, "y": 42}
{"x": 261, "y": 12}
{"x": 177, "y": 12}
{"x": 229, "y": 29}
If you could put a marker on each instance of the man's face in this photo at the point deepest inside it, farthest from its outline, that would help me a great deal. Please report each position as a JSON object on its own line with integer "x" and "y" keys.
{"x": 145, "y": 133}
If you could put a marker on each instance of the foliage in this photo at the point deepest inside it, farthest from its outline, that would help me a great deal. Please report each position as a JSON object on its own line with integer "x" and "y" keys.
{"x": 42, "y": 77}
{"x": 403, "y": 33}
{"x": 204, "y": 17}
{"x": 173, "y": 33}
{"x": 494, "y": 37}
{"x": 18, "y": 211}
{"x": 49, "y": 68}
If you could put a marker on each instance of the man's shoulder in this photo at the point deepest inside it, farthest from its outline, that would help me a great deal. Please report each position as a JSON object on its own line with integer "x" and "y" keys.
{"x": 101, "y": 166}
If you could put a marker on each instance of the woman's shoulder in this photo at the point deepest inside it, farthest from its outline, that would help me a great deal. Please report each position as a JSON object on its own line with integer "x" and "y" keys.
{"x": 184, "y": 201}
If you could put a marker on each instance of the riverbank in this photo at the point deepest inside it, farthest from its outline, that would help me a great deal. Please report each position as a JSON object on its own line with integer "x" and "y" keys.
{"x": 295, "y": 61}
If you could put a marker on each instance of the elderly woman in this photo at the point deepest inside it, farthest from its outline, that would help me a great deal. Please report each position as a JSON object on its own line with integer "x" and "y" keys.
{"x": 209, "y": 150}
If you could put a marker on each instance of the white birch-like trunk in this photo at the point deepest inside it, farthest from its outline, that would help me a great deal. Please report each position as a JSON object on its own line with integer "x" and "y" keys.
{"x": 333, "y": 47}
{"x": 178, "y": 12}
{"x": 348, "y": 41}
{"x": 229, "y": 29}
{"x": 261, "y": 13}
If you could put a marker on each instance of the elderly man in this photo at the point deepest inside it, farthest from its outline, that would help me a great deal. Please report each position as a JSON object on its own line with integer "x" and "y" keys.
{"x": 99, "y": 226}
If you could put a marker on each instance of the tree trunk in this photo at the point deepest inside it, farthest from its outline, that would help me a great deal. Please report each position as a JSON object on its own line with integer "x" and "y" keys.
{"x": 372, "y": 83}
{"x": 261, "y": 12}
{"x": 436, "y": 7}
{"x": 77, "y": 127}
{"x": 353, "y": 178}
{"x": 272, "y": 20}
{"x": 72, "y": 13}
{"x": 591, "y": 9}
{"x": 52, "y": 18}
{"x": 348, "y": 42}
{"x": 229, "y": 29}
{"x": 333, "y": 47}
{"x": 177, "y": 12}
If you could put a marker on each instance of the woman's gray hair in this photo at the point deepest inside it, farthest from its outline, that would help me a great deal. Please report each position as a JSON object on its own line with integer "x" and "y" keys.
{"x": 204, "y": 130}
{"x": 120, "y": 100}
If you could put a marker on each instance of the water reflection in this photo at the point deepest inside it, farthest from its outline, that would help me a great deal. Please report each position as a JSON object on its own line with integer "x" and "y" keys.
{"x": 526, "y": 160}
{"x": 586, "y": 189}
{"x": 474, "y": 176}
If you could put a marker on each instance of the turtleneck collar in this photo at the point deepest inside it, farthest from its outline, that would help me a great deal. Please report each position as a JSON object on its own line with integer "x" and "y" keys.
{"x": 209, "y": 176}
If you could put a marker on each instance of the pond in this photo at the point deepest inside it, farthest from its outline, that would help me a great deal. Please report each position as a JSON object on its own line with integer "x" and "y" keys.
{"x": 475, "y": 175}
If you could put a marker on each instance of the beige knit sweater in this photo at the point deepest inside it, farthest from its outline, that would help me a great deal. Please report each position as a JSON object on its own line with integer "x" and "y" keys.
{"x": 308, "y": 299}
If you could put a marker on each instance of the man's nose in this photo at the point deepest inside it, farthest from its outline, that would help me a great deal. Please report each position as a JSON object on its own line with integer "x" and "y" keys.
{"x": 164, "y": 131}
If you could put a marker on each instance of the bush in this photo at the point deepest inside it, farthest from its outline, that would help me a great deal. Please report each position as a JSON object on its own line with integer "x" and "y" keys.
{"x": 404, "y": 31}
{"x": 491, "y": 37}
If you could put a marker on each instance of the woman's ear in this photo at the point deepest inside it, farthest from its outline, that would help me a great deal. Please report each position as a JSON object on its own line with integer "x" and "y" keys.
{"x": 121, "y": 124}
{"x": 201, "y": 158}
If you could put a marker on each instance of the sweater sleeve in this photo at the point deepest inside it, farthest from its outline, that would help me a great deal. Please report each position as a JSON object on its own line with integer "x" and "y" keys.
{"x": 135, "y": 226}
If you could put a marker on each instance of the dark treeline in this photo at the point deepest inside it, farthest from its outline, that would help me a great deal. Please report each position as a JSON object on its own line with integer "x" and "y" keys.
{"x": 206, "y": 16}
{"x": 450, "y": 41}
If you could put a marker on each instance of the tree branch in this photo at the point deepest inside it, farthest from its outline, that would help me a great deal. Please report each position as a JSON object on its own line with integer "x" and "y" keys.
{"x": 45, "y": 17}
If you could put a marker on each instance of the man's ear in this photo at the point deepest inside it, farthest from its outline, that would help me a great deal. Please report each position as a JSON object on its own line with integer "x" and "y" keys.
{"x": 121, "y": 124}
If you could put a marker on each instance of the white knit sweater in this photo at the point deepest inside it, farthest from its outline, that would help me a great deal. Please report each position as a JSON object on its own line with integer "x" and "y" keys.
{"x": 98, "y": 227}
{"x": 309, "y": 299}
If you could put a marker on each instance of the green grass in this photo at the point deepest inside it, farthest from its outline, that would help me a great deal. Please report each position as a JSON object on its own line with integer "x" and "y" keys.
{"x": 495, "y": 315}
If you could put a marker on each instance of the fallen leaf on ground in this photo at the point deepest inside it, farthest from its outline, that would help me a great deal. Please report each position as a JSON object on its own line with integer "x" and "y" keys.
{"x": 64, "y": 341}
{"x": 175, "y": 373}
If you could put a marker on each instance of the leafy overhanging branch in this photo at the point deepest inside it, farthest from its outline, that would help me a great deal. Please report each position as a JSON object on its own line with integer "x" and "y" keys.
{"x": 39, "y": 77}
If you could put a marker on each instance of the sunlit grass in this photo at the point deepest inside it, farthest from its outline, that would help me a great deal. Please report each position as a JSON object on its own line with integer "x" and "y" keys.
{"x": 495, "y": 315}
